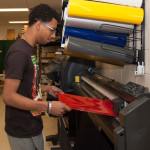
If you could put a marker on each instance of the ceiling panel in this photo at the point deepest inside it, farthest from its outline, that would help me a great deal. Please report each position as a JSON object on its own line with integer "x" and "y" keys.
{"x": 53, "y": 3}
{"x": 13, "y": 3}
{"x": 22, "y": 16}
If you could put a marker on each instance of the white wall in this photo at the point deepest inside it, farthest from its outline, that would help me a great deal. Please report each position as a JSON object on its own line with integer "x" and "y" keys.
{"x": 3, "y": 30}
{"x": 126, "y": 73}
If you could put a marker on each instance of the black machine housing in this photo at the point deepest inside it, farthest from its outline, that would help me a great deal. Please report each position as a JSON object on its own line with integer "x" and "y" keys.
{"x": 129, "y": 131}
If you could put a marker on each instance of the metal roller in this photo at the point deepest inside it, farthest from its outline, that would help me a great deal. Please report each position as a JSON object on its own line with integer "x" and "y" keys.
{"x": 99, "y": 49}
{"x": 98, "y": 25}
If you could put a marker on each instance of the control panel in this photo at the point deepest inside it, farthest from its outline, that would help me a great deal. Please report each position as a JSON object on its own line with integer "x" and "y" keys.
{"x": 133, "y": 89}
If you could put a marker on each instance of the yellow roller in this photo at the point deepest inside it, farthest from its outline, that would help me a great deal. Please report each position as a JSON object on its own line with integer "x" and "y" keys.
{"x": 105, "y": 11}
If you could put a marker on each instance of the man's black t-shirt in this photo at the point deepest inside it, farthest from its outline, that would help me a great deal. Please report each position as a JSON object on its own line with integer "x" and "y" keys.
{"x": 19, "y": 64}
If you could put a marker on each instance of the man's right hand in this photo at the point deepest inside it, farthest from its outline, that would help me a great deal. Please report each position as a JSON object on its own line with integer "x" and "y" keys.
{"x": 59, "y": 108}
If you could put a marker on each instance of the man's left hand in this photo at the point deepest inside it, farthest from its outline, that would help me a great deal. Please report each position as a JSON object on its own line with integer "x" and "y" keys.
{"x": 53, "y": 90}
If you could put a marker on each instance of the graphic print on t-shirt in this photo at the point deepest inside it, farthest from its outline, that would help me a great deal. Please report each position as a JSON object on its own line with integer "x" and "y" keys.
{"x": 35, "y": 87}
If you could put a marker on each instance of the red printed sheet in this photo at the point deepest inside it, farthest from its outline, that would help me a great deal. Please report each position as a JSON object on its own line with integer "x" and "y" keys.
{"x": 87, "y": 104}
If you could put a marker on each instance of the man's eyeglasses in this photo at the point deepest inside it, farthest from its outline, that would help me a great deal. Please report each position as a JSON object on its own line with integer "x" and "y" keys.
{"x": 53, "y": 30}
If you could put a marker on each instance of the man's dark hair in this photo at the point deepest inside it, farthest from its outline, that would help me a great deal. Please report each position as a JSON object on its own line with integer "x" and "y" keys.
{"x": 42, "y": 12}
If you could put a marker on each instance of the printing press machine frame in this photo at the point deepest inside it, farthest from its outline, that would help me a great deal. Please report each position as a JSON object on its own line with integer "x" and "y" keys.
{"x": 129, "y": 131}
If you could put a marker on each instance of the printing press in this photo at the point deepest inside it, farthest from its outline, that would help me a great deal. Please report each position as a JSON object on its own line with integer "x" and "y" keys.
{"x": 131, "y": 102}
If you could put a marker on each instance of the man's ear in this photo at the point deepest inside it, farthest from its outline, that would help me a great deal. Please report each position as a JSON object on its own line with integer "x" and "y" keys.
{"x": 38, "y": 25}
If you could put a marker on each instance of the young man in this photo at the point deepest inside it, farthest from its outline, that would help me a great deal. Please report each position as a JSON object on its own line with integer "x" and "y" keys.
{"x": 21, "y": 88}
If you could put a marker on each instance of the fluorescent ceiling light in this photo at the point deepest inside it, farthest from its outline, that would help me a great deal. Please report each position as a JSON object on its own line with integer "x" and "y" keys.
{"x": 21, "y": 22}
{"x": 13, "y": 9}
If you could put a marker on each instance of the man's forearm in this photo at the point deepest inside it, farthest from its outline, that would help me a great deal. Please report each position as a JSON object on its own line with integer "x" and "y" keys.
{"x": 24, "y": 103}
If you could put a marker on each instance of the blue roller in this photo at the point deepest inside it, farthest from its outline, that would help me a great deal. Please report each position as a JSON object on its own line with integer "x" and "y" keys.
{"x": 97, "y": 36}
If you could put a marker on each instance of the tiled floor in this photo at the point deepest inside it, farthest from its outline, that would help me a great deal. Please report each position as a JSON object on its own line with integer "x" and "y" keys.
{"x": 50, "y": 128}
